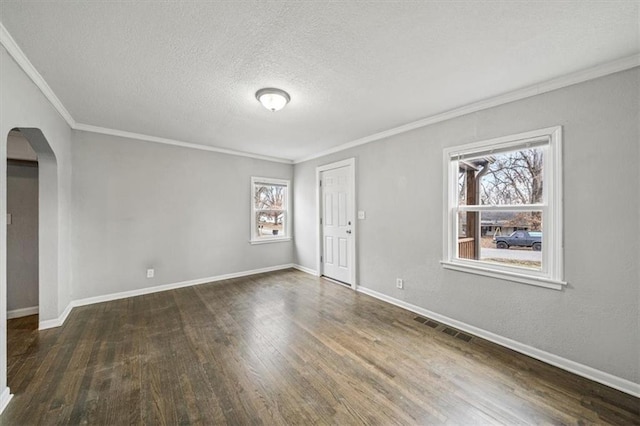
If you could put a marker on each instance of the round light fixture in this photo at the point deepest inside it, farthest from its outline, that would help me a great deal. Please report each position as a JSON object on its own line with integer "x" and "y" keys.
{"x": 273, "y": 99}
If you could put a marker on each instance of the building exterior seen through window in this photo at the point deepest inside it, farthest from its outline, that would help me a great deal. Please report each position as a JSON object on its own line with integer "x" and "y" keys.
{"x": 270, "y": 209}
{"x": 504, "y": 209}
{"x": 502, "y": 180}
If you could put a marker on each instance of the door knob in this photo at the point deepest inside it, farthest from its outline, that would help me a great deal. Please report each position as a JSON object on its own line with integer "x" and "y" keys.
{"x": 348, "y": 231}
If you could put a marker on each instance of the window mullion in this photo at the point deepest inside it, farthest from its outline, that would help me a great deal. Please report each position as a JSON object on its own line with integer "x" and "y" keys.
{"x": 269, "y": 210}
{"x": 536, "y": 155}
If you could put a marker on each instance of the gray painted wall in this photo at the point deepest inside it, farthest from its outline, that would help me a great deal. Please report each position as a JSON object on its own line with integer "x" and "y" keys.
{"x": 594, "y": 321}
{"x": 22, "y": 237}
{"x": 139, "y": 204}
{"x": 23, "y": 105}
{"x": 184, "y": 212}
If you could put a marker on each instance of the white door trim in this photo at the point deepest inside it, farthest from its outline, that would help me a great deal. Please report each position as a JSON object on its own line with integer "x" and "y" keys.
{"x": 351, "y": 163}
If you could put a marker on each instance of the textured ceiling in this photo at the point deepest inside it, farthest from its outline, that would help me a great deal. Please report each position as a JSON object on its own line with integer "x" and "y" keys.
{"x": 189, "y": 70}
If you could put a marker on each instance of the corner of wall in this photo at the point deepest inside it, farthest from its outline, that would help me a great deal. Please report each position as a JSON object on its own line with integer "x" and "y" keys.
{"x": 5, "y": 397}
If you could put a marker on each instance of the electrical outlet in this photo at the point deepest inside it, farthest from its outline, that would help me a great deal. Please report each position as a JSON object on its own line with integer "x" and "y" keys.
{"x": 399, "y": 283}
{"x": 361, "y": 214}
{"x": 150, "y": 273}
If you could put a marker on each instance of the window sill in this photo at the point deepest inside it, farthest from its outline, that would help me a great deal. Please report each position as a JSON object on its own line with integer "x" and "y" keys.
{"x": 504, "y": 275}
{"x": 270, "y": 240}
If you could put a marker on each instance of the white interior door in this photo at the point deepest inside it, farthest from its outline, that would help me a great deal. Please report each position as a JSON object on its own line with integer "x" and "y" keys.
{"x": 337, "y": 218}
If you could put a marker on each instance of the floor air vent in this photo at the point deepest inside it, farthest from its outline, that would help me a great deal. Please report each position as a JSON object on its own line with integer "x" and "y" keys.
{"x": 457, "y": 334}
{"x": 450, "y": 331}
{"x": 426, "y": 321}
{"x": 432, "y": 324}
{"x": 463, "y": 336}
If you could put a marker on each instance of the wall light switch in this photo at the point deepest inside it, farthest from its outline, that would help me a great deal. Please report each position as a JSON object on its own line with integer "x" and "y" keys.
{"x": 150, "y": 273}
{"x": 361, "y": 214}
{"x": 8, "y": 218}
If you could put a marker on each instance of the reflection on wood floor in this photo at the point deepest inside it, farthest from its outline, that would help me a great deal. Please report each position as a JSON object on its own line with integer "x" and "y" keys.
{"x": 282, "y": 348}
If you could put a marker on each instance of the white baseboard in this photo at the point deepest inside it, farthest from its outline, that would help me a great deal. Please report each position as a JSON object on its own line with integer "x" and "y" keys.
{"x": 22, "y": 312}
{"x": 5, "y": 397}
{"x": 560, "y": 362}
{"x": 57, "y": 322}
{"x": 305, "y": 269}
{"x": 607, "y": 379}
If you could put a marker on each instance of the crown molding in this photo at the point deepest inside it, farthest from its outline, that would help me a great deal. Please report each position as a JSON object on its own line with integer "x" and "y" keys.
{"x": 526, "y": 92}
{"x": 557, "y": 83}
{"x": 156, "y": 139}
{"x": 21, "y": 59}
{"x": 23, "y": 62}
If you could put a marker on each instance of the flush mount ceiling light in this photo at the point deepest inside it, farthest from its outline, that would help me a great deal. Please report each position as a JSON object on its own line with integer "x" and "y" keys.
{"x": 273, "y": 99}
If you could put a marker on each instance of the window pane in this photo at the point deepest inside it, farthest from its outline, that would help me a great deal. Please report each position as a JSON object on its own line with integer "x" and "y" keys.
{"x": 513, "y": 177}
{"x": 270, "y": 196}
{"x": 507, "y": 238}
{"x": 462, "y": 186}
{"x": 270, "y": 223}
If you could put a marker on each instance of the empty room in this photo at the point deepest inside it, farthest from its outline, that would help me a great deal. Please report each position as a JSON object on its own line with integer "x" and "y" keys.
{"x": 377, "y": 212}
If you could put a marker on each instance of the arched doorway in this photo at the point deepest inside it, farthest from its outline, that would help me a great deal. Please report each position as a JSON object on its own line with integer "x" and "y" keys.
{"x": 22, "y": 228}
{"x": 47, "y": 231}
{"x": 47, "y": 222}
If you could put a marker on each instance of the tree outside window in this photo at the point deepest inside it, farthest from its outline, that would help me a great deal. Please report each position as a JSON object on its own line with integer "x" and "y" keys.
{"x": 270, "y": 205}
{"x": 504, "y": 209}
{"x": 501, "y": 180}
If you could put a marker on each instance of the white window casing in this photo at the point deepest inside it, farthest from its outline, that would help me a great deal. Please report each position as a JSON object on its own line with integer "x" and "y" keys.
{"x": 258, "y": 238}
{"x": 551, "y": 273}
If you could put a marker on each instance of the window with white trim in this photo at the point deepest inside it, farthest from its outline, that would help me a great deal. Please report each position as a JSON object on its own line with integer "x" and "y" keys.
{"x": 504, "y": 208}
{"x": 270, "y": 206}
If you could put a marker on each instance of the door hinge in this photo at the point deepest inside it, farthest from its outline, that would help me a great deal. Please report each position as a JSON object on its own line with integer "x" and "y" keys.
{"x": 320, "y": 221}
{"x": 320, "y": 259}
{"x": 320, "y": 183}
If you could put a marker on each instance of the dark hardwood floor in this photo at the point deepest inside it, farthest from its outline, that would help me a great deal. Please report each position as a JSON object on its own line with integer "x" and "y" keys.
{"x": 282, "y": 348}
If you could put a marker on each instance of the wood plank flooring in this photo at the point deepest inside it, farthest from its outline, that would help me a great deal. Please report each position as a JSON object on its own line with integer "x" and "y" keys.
{"x": 282, "y": 348}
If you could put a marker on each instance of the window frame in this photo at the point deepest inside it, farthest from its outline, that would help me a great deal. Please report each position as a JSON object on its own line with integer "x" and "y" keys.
{"x": 551, "y": 274}
{"x": 254, "y": 239}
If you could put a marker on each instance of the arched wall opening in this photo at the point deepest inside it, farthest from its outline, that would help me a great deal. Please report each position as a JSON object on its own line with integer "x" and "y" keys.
{"x": 22, "y": 231}
{"x": 48, "y": 241}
